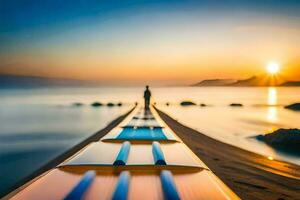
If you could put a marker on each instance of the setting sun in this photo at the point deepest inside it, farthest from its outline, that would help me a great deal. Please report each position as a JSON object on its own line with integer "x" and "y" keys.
{"x": 273, "y": 68}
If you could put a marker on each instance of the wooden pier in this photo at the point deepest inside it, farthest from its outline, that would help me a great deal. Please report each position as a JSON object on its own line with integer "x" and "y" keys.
{"x": 141, "y": 158}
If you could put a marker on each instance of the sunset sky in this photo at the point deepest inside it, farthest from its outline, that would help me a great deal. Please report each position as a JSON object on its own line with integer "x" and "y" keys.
{"x": 163, "y": 42}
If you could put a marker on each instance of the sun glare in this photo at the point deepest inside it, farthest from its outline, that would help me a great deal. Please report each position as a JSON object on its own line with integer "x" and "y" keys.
{"x": 273, "y": 68}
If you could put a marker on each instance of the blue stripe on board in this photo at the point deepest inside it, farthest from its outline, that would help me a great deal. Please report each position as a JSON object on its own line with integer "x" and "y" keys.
{"x": 129, "y": 133}
{"x": 158, "y": 154}
{"x": 121, "y": 190}
{"x": 80, "y": 189}
{"x": 123, "y": 154}
{"x": 168, "y": 186}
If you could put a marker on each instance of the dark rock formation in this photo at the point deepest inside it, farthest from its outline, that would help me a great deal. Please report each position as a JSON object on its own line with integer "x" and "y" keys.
{"x": 236, "y": 105}
{"x": 110, "y": 104}
{"x": 295, "y": 106}
{"x": 77, "y": 104}
{"x": 97, "y": 104}
{"x": 187, "y": 103}
{"x": 285, "y": 139}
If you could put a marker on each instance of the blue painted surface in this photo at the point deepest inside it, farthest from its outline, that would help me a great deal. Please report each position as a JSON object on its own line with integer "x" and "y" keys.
{"x": 168, "y": 186}
{"x": 123, "y": 154}
{"x": 158, "y": 155}
{"x": 129, "y": 133}
{"x": 121, "y": 190}
{"x": 80, "y": 189}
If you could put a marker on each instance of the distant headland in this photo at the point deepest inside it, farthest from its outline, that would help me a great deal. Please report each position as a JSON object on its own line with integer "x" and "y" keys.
{"x": 16, "y": 81}
{"x": 254, "y": 81}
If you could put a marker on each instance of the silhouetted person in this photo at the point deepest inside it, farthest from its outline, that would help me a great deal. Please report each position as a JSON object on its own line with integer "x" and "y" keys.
{"x": 147, "y": 95}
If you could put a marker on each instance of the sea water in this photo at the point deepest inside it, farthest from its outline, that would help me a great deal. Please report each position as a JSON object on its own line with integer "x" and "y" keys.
{"x": 36, "y": 125}
{"x": 262, "y": 112}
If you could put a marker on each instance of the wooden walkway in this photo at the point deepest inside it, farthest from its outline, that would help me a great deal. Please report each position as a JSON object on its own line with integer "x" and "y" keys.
{"x": 141, "y": 158}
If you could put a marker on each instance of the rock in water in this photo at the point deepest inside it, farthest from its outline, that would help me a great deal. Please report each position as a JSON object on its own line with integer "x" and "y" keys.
{"x": 97, "y": 104}
{"x": 187, "y": 103}
{"x": 236, "y": 105}
{"x": 295, "y": 106}
{"x": 77, "y": 104}
{"x": 110, "y": 104}
{"x": 286, "y": 139}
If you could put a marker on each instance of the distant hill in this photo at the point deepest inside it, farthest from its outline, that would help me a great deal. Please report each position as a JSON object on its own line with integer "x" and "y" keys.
{"x": 215, "y": 82}
{"x": 263, "y": 81}
{"x": 254, "y": 81}
{"x": 14, "y": 81}
{"x": 291, "y": 83}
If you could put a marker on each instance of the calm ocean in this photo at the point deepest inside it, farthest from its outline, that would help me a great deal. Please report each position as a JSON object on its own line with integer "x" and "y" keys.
{"x": 37, "y": 125}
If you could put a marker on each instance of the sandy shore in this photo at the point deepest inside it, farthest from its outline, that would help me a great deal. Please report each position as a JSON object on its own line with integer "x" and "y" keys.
{"x": 250, "y": 175}
{"x": 53, "y": 163}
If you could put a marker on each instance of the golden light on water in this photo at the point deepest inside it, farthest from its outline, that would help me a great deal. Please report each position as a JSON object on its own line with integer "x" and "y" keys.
{"x": 272, "y": 96}
{"x": 270, "y": 158}
{"x": 272, "y": 102}
{"x": 273, "y": 68}
{"x": 272, "y": 114}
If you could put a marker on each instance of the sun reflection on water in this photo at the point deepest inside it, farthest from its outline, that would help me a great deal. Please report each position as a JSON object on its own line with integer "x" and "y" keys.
{"x": 270, "y": 158}
{"x": 272, "y": 102}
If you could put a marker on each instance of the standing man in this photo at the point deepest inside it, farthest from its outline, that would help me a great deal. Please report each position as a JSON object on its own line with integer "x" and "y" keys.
{"x": 147, "y": 95}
